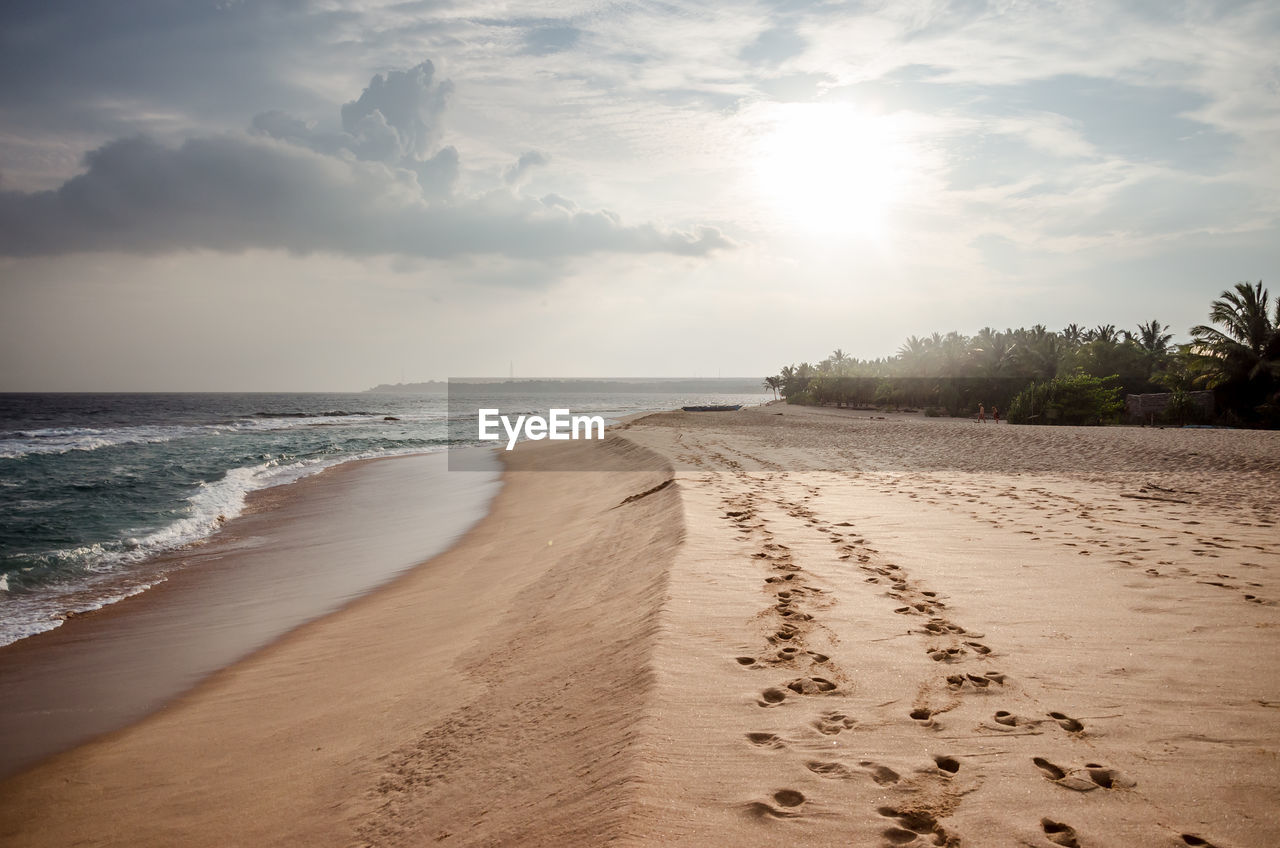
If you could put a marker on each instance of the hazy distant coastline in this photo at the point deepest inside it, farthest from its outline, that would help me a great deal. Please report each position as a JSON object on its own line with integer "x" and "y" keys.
{"x": 721, "y": 385}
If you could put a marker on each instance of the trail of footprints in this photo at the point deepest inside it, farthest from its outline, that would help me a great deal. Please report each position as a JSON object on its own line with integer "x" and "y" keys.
{"x": 1112, "y": 534}
{"x": 794, "y": 628}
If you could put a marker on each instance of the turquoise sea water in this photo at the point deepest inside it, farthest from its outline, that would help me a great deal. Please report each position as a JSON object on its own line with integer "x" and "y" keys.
{"x": 92, "y": 487}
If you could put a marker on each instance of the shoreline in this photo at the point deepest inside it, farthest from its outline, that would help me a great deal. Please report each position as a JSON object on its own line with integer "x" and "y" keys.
{"x": 154, "y": 568}
{"x": 316, "y": 737}
{"x": 42, "y": 672}
{"x": 279, "y": 564}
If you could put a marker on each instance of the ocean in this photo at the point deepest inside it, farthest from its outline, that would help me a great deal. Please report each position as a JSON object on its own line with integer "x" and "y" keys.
{"x": 93, "y": 487}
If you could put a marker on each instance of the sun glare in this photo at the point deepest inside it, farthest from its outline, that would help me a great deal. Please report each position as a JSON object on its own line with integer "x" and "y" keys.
{"x": 829, "y": 169}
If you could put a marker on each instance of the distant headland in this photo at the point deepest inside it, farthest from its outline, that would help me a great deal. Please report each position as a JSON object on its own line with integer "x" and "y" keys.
{"x": 642, "y": 385}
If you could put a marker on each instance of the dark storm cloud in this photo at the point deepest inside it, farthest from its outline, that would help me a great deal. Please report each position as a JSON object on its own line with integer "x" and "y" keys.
{"x": 375, "y": 188}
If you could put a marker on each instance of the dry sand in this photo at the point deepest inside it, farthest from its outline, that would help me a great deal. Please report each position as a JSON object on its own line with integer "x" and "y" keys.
{"x": 830, "y": 630}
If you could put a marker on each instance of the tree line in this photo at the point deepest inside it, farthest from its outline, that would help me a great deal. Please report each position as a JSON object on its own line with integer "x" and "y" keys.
{"x": 1072, "y": 375}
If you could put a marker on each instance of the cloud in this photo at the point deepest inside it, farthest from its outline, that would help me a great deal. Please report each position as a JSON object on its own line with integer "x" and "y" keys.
{"x": 377, "y": 187}
{"x": 237, "y": 192}
{"x": 519, "y": 172}
{"x": 562, "y": 202}
{"x": 404, "y": 105}
{"x": 774, "y": 46}
{"x": 543, "y": 41}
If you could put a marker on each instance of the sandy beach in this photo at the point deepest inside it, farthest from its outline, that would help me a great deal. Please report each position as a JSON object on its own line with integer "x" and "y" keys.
{"x": 780, "y": 626}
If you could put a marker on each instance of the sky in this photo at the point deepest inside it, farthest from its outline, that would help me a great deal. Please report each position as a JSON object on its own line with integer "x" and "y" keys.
{"x": 324, "y": 196}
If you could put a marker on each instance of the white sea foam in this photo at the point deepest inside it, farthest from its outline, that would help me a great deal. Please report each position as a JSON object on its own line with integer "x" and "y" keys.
{"x": 59, "y": 440}
{"x": 209, "y": 507}
{"x": 27, "y": 615}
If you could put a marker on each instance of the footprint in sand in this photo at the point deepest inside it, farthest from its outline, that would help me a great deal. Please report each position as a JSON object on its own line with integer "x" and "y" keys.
{"x": 811, "y": 686}
{"x": 830, "y": 724}
{"x": 912, "y": 824}
{"x": 1053, "y": 772}
{"x": 958, "y": 681}
{"x": 1006, "y": 718}
{"x": 787, "y": 801}
{"x": 771, "y": 697}
{"x": 950, "y": 765}
{"x": 1108, "y": 778}
{"x": 766, "y": 740}
{"x": 1067, "y": 723}
{"x": 785, "y": 633}
{"x": 947, "y": 655}
{"x": 836, "y": 771}
{"x": 882, "y": 775}
{"x": 1059, "y": 833}
{"x": 1092, "y": 776}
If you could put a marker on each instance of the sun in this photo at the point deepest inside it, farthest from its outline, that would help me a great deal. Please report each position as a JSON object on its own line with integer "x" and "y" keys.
{"x": 829, "y": 169}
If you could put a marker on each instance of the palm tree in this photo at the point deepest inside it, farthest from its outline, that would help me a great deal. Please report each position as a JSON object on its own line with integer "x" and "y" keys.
{"x": 774, "y": 383}
{"x": 953, "y": 354}
{"x": 1073, "y": 335}
{"x": 992, "y": 353}
{"x": 913, "y": 354}
{"x": 1249, "y": 349}
{"x": 1102, "y": 333}
{"x": 1039, "y": 352}
{"x": 1154, "y": 342}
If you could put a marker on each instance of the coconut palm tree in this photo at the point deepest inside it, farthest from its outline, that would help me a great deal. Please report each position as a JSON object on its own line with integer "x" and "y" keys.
{"x": 774, "y": 383}
{"x": 1102, "y": 333}
{"x": 992, "y": 353}
{"x": 1248, "y": 346}
{"x": 1039, "y": 352}
{"x": 1154, "y": 342}
{"x": 913, "y": 355}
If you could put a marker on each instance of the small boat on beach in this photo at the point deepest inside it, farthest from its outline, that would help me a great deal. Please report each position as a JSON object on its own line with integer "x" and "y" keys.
{"x": 728, "y": 407}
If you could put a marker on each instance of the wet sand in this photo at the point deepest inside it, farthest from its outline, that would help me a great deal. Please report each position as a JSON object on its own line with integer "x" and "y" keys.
{"x": 827, "y": 629}
{"x": 301, "y": 551}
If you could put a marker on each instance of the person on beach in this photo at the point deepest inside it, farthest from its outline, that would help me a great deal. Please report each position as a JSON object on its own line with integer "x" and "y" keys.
{"x": 982, "y": 414}
{"x": 995, "y": 414}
